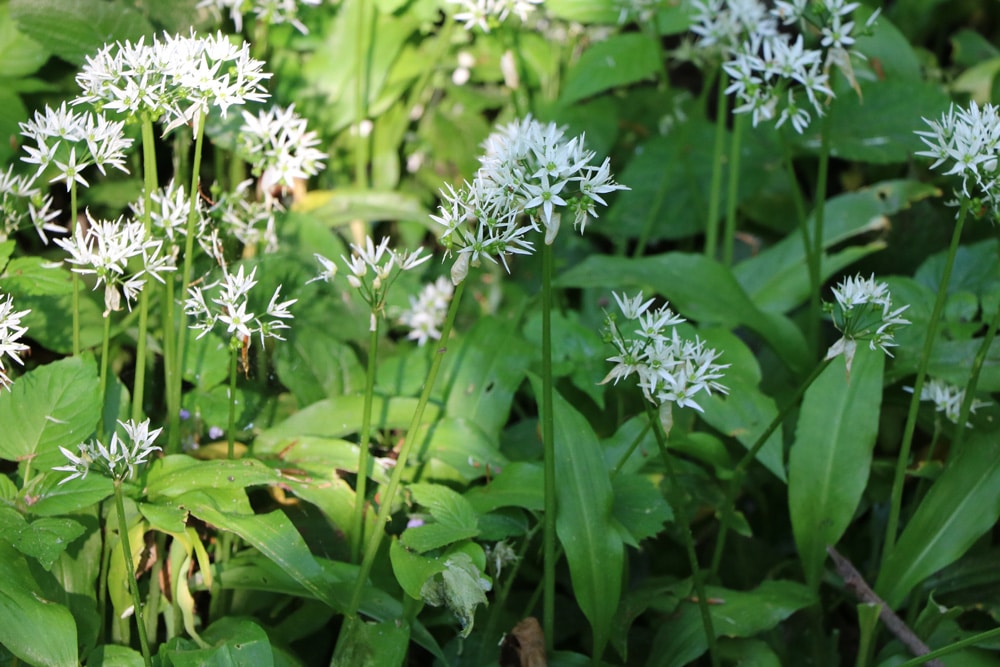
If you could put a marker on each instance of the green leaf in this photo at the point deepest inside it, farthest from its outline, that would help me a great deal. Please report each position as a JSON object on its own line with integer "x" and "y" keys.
{"x": 177, "y": 474}
{"x": 744, "y": 415}
{"x": 963, "y": 505}
{"x": 56, "y": 405}
{"x": 454, "y": 519}
{"x": 482, "y": 374}
{"x": 685, "y": 279}
{"x": 233, "y": 641}
{"x": 336, "y": 208}
{"x": 112, "y": 655}
{"x": 36, "y": 276}
{"x": 26, "y": 616}
{"x": 364, "y": 644}
{"x": 84, "y": 26}
{"x": 272, "y": 534}
{"x": 462, "y": 587}
{"x": 519, "y": 484}
{"x": 12, "y": 112}
{"x": 314, "y": 364}
{"x": 681, "y": 639}
{"x": 829, "y": 463}
{"x": 54, "y": 499}
{"x": 639, "y": 507}
{"x": 43, "y": 539}
{"x": 19, "y": 54}
{"x": 458, "y": 450}
{"x": 47, "y": 319}
{"x": 206, "y": 360}
{"x": 594, "y": 548}
{"x": 617, "y": 61}
{"x": 584, "y": 11}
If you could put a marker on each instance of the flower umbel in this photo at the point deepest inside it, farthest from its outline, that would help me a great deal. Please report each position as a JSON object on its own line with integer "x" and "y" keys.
{"x": 863, "y": 311}
{"x": 427, "y": 311}
{"x": 10, "y": 331}
{"x": 119, "y": 460}
{"x": 947, "y": 398}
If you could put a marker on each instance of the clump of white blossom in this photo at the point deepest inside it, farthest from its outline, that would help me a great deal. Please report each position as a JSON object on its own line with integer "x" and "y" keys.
{"x": 862, "y": 311}
{"x": 279, "y": 148}
{"x": 669, "y": 368}
{"x": 270, "y": 12}
{"x": 427, "y": 311}
{"x": 773, "y": 55}
{"x": 966, "y": 142}
{"x": 530, "y": 177}
{"x": 948, "y": 398}
{"x": 173, "y": 80}
{"x": 119, "y": 460}
{"x": 169, "y": 208}
{"x": 106, "y": 250}
{"x": 371, "y": 270}
{"x": 490, "y": 14}
{"x": 22, "y": 200}
{"x": 227, "y": 305}
{"x": 11, "y": 330}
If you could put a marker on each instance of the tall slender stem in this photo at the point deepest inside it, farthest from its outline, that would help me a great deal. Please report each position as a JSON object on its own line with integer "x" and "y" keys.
{"x": 174, "y": 390}
{"x": 741, "y": 467}
{"x": 815, "y": 257}
{"x": 231, "y": 430}
{"x": 105, "y": 353}
{"x": 896, "y": 499}
{"x": 715, "y": 192}
{"x": 364, "y": 438}
{"x": 133, "y": 585}
{"x": 681, "y": 514}
{"x": 74, "y": 275}
{"x": 733, "y": 188}
{"x": 549, "y": 455}
{"x": 150, "y": 180}
{"x": 385, "y": 507}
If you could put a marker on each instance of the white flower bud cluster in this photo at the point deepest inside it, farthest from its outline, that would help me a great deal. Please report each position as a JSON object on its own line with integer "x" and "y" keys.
{"x": 863, "y": 311}
{"x": 948, "y": 398}
{"x": 119, "y": 460}
{"x": 229, "y": 306}
{"x": 427, "y": 311}
{"x": 10, "y": 331}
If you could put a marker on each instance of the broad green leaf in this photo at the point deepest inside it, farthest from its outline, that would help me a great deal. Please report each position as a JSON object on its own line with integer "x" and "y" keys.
{"x": 744, "y": 414}
{"x": 579, "y": 355}
{"x": 322, "y": 457}
{"x": 35, "y": 275}
{"x": 639, "y": 507}
{"x": 56, "y": 405}
{"x": 44, "y": 539}
{"x": 454, "y": 519}
{"x": 519, "y": 484}
{"x": 829, "y": 463}
{"x": 26, "y": 616}
{"x": 178, "y": 474}
{"x": 584, "y": 522}
{"x": 19, "y": 54}
{"x": 84, "y": 26}
{"x": 963, "y": 505}
{"x": 336, "y": 418}
{"x": 272, "y": 534}
{"x": 336, "y": 208}
{"x": 777, "y": 280}
{"x": 112, "y": 655}
{"x": 978, "y": 80}
{"x": 482, "y": 373}
{"x": 617, "y": 61}
{"x": 684, "y": 279}
{"x": 54, "y": 499}
{"x": 681, "y": 639}
{"x": 233, "y": 641}
{"x": 748, "y": 652}
{"x": 47, "y": 319}
{"x": 458, "y": 450}
{"x": 164, "y": 518}
{"x": 364, "y": 644}
{"x": 314, "y": 364}
{"x": 461, "y": 588}
{"x": 206, "y": 360}
{"x": 584, "y": 11}
{"x": 12, "y": 112}
{"x": 890, "y": 49}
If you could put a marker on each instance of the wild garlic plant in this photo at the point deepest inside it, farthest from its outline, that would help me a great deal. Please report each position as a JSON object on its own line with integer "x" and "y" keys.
{"x": 23, "y": 200}
{"x": 11, "y": 330}
{"x": 863, "y": 311}
{"x": 427, "y": 311}
{"x": 948, "y": 399}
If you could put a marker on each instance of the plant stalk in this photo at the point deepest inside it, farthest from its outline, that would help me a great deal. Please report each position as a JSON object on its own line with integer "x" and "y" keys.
{"x": 133, "y": 585}
{"x": 364, "y": 439}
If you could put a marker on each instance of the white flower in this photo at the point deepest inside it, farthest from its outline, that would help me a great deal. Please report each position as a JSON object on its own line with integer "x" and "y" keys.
{"x": 484, "y": 14}
{"x": 10, "y": 331}
{"x": 967, "y": 142}
{"x": 119, "y": 460}
{"x": 427, "y": 311}
{"x": 279, "y": 147}
{"x": 863, "y": 311}
{"x": 273, "y": 12}
{"x": 229, "y": 306}
{"x": 948, "y": 398}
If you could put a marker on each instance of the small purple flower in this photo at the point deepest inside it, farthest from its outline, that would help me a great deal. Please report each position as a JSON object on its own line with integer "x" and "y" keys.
{"x": 414, "y": 522}
{"x": 185, "y": 414}
{"x": 215, "y": 433}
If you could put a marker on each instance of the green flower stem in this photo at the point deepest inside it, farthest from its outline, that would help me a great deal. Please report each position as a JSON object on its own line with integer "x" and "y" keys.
{"x": 712, "y": 222}
{"x": 170, "y": 369}
{"x": 105, "y": 353}
{"x": 231, "y": 431}
{"x": 75, "y": 276}
{"x": 951, "y": 648}
{"x": 815, "y": 258}
{"x": 174, "y": 389}
{"x": 739, "y": 471}
{"x": 681, "y": 514}
{"x": 732, "y": 194}
{"x": 896, "y": 499}
{"x": 970, "y": 387}
{"x": 150, "y": 180}
{"x": 154, "y": 595}
{"x": 635, "y": 443}
{"x": 549, "y": 456}
{"x": 364, "y": 438}
{"x": 133, "y": 585}
{"x": 385, "y": 507}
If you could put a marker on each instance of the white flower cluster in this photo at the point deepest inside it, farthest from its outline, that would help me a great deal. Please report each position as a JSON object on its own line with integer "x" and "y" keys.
{"x": 529, "y": 171}
{"x": 280, "y": 148}
{"x": 948, "y": 398}
{"x": 72, "y": 142}
{"x": 863, "y": 311}
{"x": 967, "y": 142}
{"x": 768, "y": 66}
{"x": 20, "y": 200}
{"x": 105, "y": 250}
{"x": 385, "y": 264}
{"x": 487, "y": 14}
{"x": 119, "y": 460}
{"x": 169, "y": 212}
{"x": 172, "y": 80}
{"x": 10, "y": 331}
{"x": 427, "y": 311}
{"x": 271, "y": 12}
{"x": 670, "y": 369}
{"x": 229, "y": 306}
